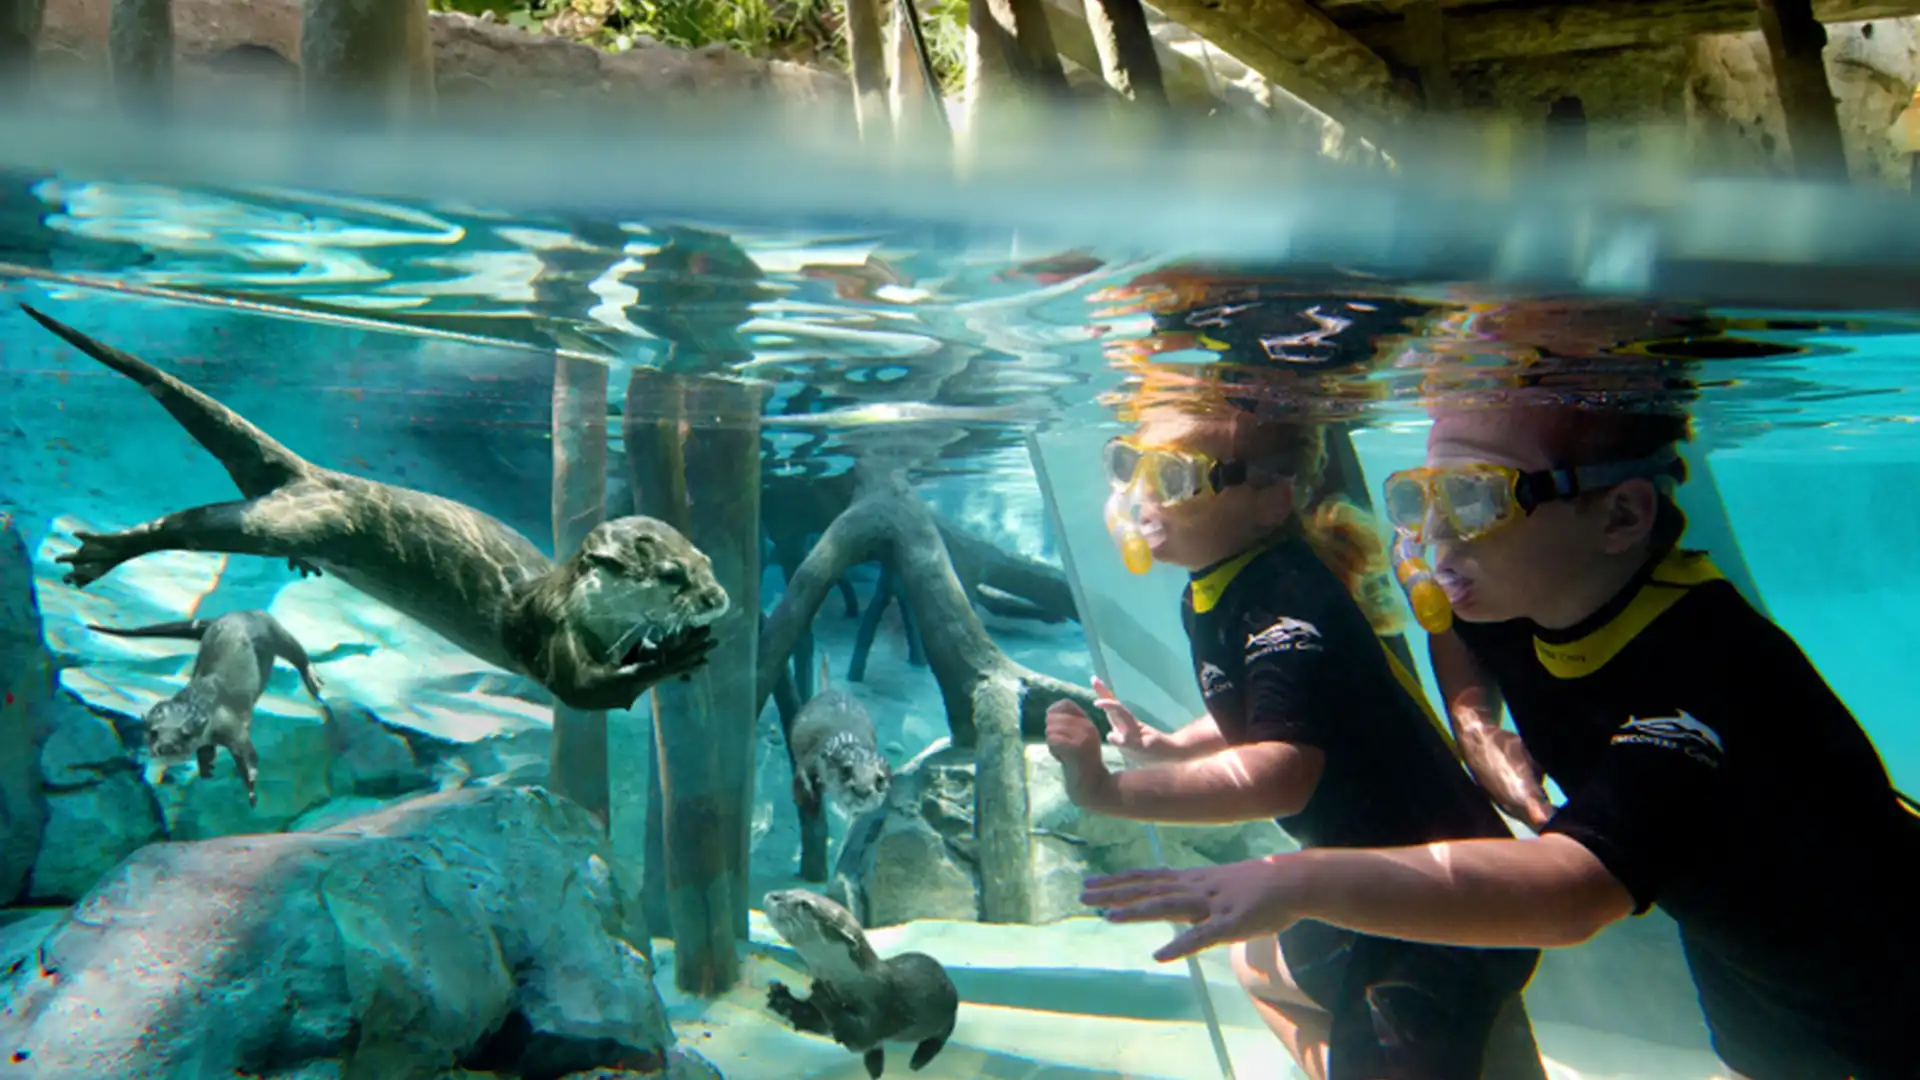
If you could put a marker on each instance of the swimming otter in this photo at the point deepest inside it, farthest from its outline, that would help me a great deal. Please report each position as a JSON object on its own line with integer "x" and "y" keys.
{"x": 631, "y": 608}
{"x": 858, "y": 999}
{"x": 215, "y": 708}
{"x": 834, "y": 754}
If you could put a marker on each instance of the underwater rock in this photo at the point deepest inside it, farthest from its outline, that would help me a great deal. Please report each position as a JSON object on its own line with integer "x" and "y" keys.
{"x": 395, "y": 942}
{"x": 368, "y": 759}
{"x": 913, "y": 859}
{"x": 22, "y": 930}
{"x": 99, "y": 810}
{"x": 336, "y": 810}
{"x": 26, "y": 681}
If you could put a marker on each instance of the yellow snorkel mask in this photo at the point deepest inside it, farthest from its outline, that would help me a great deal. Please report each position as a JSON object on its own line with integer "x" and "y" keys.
{"x": 1467, "y": 502}
{"x": 1140, "y": 473}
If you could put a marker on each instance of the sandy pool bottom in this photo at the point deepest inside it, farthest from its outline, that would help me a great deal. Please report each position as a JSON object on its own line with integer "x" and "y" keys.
{"x": 1074, "y": 1000}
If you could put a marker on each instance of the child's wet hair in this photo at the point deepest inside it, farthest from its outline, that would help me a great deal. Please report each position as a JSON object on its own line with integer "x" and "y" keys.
{"x": 1344, "y": 537}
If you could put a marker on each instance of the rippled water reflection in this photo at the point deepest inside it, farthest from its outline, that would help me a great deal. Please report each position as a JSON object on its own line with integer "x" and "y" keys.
{"x": 857, "y": 332}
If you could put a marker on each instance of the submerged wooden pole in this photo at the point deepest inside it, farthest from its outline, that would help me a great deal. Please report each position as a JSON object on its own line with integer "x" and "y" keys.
{"x": 368, "y": 61}
{"x": 1795, "y": 40}
{"x": 1125, "y": 44}
{"x": 140, "y": 55}
{"x": 577, "y": 760}
{"x": 696, "y": 463}
{"x": 19, "y": 36}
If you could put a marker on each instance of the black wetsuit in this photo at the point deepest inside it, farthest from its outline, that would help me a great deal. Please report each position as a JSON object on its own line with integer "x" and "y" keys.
{"x": 1284, "y": 654}
{"x": 1712, "y": 770}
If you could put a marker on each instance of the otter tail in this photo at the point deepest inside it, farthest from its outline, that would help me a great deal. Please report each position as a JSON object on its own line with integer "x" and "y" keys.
{"x": 256, "y": 462}
{"x": 191, "y": 630}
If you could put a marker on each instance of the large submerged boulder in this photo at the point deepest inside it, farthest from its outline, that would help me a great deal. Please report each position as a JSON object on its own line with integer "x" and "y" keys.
{"x": 100, "y": 810}
{"x": 478, "y": 927}
{"x": 914, "y": 857}
{"x": 26, "y": 687}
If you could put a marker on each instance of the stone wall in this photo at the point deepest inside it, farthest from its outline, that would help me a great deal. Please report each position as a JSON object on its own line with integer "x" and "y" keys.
{"x": 220, "y": 42}
{"x": 1718, "y": 90}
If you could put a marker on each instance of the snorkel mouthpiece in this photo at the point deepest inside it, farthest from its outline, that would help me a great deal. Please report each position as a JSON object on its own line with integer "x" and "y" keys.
{"x": 1431, "y": 609}
{"x": 1126, "y": 535}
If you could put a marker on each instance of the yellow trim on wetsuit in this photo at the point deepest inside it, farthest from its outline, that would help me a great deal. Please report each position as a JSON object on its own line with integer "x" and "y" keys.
{"x": 1676, "y": 575}
{"x": 1208, "y": 588}
{"x": 1419, "y": 694}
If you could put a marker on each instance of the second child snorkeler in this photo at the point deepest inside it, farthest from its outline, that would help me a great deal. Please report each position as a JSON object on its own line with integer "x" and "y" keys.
{"x": 1709, "y": 769}
{"x": 1311, "y": 722}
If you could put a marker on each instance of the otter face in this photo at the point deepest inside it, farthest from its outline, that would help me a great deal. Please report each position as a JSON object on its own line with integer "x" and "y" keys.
{"x": 174, "y": 730}
{"x": 642, "y": 594}
{"x": 857, "y": 779}
{"x": 826, "y": 935}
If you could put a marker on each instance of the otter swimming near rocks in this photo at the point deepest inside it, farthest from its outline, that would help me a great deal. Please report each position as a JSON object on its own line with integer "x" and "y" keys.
{"x": 834, "y": 754}
{"x": 630, "y": 609}
{"x": 215, "y": 708}
{"x": 858, "y": 999}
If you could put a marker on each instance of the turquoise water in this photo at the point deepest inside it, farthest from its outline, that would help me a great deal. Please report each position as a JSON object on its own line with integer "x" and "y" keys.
{"x": 415, "y": 341}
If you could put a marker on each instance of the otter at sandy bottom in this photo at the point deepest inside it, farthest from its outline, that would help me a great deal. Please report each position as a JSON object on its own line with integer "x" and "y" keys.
{"x": 230, "y": 672}
{"x": 631, "y": 608}
{"x": 859, "y": 1000}
{"x": 834, "y": 753}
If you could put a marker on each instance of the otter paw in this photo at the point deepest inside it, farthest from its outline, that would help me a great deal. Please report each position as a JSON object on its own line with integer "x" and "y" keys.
{"x": 780, "y": 999}
{"x": 304, "y": 569}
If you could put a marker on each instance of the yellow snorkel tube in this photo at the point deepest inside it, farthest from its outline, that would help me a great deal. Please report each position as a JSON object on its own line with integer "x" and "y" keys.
{"x": 1431, "y": 608}
{"x": 1126, "y": 534}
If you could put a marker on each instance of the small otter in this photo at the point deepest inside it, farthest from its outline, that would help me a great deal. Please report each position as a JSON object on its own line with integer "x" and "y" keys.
{"x": 215, "y": 708}
{"x": 858, "y": 999}
{"x": 630, "y": 609}
{"x": 834, "y": 754}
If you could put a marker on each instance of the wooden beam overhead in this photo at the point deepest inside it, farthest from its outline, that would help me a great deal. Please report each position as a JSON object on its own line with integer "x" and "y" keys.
{"x": 1478, "y": 35}
{"x": 1299, "y": 49}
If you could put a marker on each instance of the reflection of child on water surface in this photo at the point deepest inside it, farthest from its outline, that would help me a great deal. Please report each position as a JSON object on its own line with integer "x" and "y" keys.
{"x": 1308, "y": 722}
{"x": 1709, "y": 767}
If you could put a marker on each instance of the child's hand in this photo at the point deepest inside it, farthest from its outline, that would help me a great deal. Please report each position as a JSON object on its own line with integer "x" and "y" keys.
{"x": 1075, "y": 743}
{"x": 1125, "y": 729}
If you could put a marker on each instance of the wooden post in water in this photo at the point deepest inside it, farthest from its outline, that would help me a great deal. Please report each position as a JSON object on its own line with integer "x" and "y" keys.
{"x": 1795, "y": 40}
{"x": 577, "y": 760}
{"x": 1125, "y": 45}
{"x": 19, "y": 36}
{"x": 140, "y": 56}
{"x": 867, "y": 58}
{"x": 1010, "y": 56}
{"x": 695, "y": 454}
{"x": 907, "y": 81}
{"x": 367, "y": 61}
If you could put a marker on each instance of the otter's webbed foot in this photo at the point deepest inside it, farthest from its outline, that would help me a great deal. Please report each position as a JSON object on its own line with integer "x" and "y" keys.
{"x": 876, "y": 1062}
{"x": 802, "y": 1015}
{"x": 926, "y": 1052}
{"x": 96, "y": 556}
{"x": 303, "y": 568}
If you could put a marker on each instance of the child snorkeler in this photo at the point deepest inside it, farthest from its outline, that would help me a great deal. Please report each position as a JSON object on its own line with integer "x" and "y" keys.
{"x": 1709, "y": 769}
{"x": 1309, "y": 721}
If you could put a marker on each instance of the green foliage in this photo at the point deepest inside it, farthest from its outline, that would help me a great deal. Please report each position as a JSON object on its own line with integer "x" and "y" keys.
{"x": 806, "y": 31}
